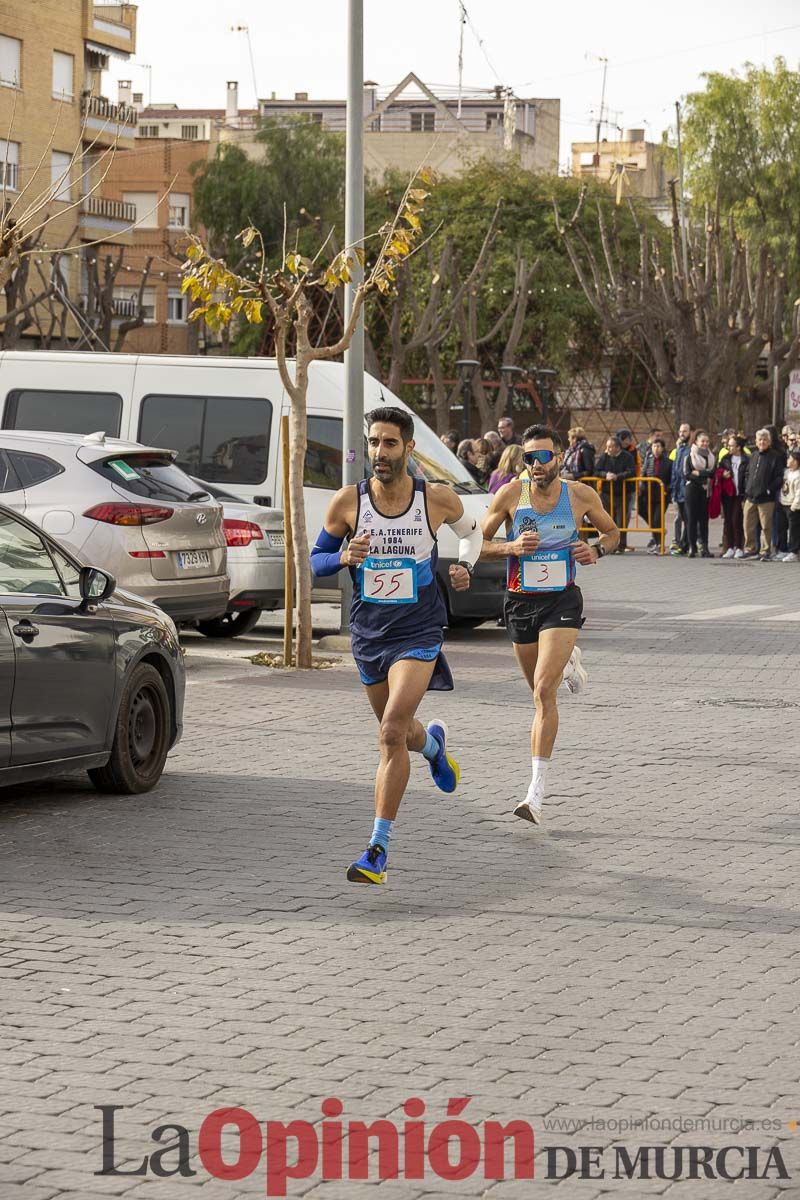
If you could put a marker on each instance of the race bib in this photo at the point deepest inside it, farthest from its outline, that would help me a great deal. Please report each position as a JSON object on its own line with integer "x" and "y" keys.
{"x": 546, "y": 571}
{"x": 389, "y": 580}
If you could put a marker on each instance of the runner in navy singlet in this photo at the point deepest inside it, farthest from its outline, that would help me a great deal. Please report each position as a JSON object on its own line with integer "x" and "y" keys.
{"x": 544, "y": 606}
{"x": 397, "y": 614}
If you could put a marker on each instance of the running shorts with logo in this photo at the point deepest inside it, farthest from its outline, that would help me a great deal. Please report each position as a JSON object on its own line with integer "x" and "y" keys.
{"x": 559, "y": 604}
{"x": 397, "y": 611}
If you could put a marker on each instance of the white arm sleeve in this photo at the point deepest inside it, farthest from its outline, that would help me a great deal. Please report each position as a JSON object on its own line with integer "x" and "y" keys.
{"x": 471, "y": 538}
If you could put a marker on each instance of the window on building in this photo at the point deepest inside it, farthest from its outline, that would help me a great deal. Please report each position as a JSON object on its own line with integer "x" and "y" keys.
{"x": 323, "y": 466}
{"x": 60, "y": 181}
{"x": 10, "y": 60}
{"x": 148, "y": 131}
{"x": 222, "y": 439}
{"x": 63, "y": 412}
{"x": 146, "y": 208}
{"x": 9, "y": 165}
{"x": 422, "y": 122}
{"x": 493, "y": 120}
{"x": 190, "y": 133}
{"x": 179, "y": 210}
{"x": 315, "y": 118}
{"x": 176, "y": 307}
{"x": 63, "y": 76}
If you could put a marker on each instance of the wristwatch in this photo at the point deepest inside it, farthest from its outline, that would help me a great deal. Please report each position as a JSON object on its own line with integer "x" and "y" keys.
{"x": 468, "y": 567}
{"x": 599, "y": 551}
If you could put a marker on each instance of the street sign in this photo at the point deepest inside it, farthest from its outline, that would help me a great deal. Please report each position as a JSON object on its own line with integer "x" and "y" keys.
{"x": 793, "y": 396}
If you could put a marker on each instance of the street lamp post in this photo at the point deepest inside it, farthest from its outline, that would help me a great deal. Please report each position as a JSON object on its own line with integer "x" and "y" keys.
{"x": 466, "y": 368}
{"x": 511, "y": 376}
{"x": 545, "y": 378}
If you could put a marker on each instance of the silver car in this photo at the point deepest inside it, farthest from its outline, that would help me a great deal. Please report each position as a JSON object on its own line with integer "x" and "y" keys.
{"x": 126, "y": 508}
{"x": 256, "y": 562}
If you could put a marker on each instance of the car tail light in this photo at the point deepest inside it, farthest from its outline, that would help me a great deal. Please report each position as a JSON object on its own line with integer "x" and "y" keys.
{"x": 147, "y": 554}
{"x": 129, "y": 514}
{"x": 241, "y": 533}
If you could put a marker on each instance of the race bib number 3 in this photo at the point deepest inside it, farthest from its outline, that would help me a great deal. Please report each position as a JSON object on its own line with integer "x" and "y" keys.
{"x": 389, "y": 580}
{"x": 545, "y": 572}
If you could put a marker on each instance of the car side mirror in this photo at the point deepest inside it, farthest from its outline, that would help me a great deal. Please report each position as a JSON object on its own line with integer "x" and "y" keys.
{"x": 96, "y": 585}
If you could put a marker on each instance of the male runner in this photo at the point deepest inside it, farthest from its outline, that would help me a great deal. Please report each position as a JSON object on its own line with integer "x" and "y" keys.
{"x": 544, "y": 606}
{"x": 398, "y": 612}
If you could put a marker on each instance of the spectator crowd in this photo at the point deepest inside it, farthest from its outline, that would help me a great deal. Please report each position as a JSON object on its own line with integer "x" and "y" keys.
{"x": 752, "y": 483}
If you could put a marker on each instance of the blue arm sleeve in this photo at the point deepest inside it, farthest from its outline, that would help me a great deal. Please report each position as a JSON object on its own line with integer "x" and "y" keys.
{"x": 325, "y": 554}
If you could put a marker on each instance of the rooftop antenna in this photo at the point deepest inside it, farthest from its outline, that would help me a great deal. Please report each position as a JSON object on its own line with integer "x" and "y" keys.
{"x": 245, "y": 29}
{"x": 462, "y": 22}
{"x": 600, "y": 120}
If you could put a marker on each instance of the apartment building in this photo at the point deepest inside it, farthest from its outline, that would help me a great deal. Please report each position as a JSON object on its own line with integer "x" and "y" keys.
{"x": 409, "y": 123}
{"x": 632, "y": 166}
{"x": 404, "y": 126}
{"x": 155, "y": 180}
{"x": 58, "y": 125}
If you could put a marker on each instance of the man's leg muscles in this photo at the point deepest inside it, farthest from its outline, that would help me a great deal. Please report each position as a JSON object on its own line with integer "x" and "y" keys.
{"x": 408, "y": 682}
{"x": 555, "y": 647}
{"x": 378, "y": 695}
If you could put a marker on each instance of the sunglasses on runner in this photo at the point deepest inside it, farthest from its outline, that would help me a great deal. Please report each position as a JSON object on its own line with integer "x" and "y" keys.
{"x": 541, "y": 456}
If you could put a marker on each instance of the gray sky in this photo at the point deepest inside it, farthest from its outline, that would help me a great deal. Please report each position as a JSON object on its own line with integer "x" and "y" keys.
{"x": 538, "y": 49}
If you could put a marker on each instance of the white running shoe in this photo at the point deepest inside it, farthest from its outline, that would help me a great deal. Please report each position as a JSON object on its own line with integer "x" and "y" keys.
{"x": 790, "y": 557}
{"x": 739, "y": 554}
{"x": 729, "y": 553}
{"x": 530, "y": 810}
{"x": 575, "y": 675}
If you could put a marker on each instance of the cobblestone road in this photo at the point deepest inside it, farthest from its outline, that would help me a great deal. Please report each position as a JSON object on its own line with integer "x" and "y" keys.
{"x": 636, "y": 957}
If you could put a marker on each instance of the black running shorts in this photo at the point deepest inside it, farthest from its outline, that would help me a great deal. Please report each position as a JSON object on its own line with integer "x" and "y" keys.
{"x": 527, "y": 615}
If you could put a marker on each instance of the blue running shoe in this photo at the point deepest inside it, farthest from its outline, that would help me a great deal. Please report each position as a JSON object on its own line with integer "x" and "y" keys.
{"x": 445, "y": 771}
{"x": 370, "y": 868}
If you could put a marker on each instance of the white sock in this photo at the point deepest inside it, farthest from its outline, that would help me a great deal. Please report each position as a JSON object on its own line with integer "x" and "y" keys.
{"x": 538, "y": 779}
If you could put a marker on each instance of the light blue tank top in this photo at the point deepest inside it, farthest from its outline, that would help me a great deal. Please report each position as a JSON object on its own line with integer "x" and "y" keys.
{"x": 556, "y": 529}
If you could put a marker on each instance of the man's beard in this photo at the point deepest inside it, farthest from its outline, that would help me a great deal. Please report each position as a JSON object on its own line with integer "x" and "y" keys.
{"x": 544, "y": 481}
{"x": 392, "y": 470}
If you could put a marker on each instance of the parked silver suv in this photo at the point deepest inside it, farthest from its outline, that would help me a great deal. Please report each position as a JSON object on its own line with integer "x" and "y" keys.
{"x": 128, "y": 509}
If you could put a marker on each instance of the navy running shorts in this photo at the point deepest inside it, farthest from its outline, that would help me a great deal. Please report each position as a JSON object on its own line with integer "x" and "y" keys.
{"x": 376, "y": 670}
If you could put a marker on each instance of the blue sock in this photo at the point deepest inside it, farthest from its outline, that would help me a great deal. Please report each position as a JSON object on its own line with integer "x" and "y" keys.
{"x": 381, "y": 832}
{"x": 431, "y": 747}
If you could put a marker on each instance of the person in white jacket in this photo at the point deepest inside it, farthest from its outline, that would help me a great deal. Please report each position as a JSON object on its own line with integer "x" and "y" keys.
{"x": 789, "y": 511}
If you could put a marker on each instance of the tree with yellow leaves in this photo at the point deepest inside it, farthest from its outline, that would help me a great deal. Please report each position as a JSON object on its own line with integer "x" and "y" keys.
{"x": 282, "y": 296}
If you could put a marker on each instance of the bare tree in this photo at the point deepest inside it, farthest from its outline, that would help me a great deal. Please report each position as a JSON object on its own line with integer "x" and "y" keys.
{"x": 702, "y": 334}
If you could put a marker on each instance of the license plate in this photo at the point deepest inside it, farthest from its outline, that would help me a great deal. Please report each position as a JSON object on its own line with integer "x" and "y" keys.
{"x": 193, "y": 558}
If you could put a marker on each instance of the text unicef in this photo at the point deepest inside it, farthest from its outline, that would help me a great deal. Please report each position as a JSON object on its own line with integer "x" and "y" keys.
{"x": 453, "y": 1149}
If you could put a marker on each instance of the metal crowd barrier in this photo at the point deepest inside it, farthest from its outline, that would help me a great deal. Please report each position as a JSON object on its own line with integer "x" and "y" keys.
{"x": 629, "y": 507}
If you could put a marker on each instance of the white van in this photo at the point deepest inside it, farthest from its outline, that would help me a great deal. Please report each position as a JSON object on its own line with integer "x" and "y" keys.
{"x": 222, "y": 416}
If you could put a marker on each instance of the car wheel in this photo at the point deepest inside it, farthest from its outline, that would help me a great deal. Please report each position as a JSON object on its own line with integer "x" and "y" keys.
{"x": 232, "y": 624}
{"x": 141, "y": 737}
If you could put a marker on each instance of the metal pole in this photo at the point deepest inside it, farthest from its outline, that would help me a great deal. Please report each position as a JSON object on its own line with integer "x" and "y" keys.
{"x": 684, "y": 245}
{"x": 776, "y": 392}
{"x": 466, "y": 397}
{"x": 353, "y": 431}
{"x": 288, "y": 578}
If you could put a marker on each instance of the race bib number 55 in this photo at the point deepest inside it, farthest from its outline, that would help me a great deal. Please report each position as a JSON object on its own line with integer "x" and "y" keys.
{"x": 545, "y": 572}
{"x": 389, "y": 580}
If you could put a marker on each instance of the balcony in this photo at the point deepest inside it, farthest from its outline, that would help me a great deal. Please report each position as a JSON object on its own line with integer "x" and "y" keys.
{"x": 113, "y": 27}
{"x": 99, "y": 217}
{"x": 106, "y": 122}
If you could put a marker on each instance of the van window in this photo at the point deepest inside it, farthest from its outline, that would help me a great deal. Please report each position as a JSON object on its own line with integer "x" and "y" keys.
{"x": 323, "y": 467}
{"x": 63, "y": 412}
{"x": 223, "y": 439}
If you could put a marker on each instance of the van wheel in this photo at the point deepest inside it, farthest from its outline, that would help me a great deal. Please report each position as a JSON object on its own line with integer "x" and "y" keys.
{"x": 232, "y": 624}
{"x": 141, "y": 737}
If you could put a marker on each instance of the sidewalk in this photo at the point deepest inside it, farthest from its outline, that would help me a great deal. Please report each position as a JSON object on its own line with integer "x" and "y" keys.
{"x": 636, "y": 956}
